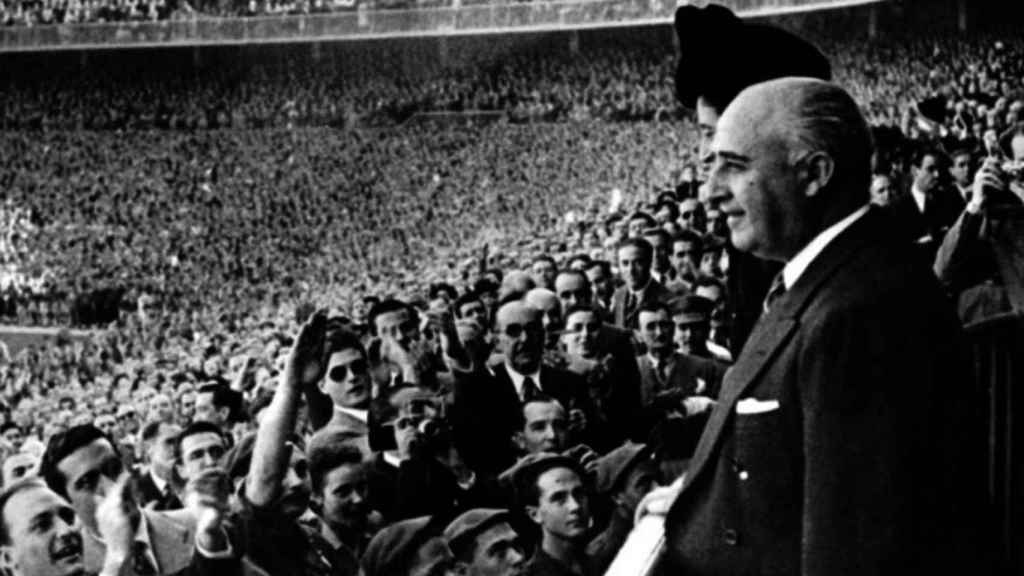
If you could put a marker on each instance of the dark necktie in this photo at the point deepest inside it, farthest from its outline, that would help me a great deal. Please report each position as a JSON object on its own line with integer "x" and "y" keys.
{"x": 141, "y": 563}
{"x": 530, "y": 390}
{"x": 776, "y": 290}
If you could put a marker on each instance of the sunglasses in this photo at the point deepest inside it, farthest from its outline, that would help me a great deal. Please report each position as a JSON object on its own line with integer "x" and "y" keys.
{"x": 340, "y": 372}
{"x": 514, "y": 331}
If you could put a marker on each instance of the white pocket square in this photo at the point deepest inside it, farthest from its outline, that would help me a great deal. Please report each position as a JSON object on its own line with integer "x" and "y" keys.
{"x": 755, "y": 406}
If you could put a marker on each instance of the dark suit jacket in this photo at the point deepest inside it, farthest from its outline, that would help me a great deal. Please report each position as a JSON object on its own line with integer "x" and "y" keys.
{"x": 624, "y": 318}
{"x": 683, "y": 375}
{"x": 860, "y": 458}
{"x": 486, "y": 411}
{"x": 943, "y": 208}
{"x": 151, "y": 497}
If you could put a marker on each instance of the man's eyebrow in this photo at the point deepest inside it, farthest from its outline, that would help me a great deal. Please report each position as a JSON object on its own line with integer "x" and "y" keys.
{"x": 734, "y": 156}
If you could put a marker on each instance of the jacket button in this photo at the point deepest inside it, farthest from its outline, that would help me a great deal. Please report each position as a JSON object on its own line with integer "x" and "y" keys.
{"x": 731, "y": 537}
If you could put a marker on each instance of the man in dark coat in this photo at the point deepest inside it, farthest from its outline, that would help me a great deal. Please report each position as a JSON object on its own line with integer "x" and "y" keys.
{"x": 842, "y": 438}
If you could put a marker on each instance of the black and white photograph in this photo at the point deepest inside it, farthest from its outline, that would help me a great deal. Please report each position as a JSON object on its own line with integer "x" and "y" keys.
{"x": 511, "y": 287}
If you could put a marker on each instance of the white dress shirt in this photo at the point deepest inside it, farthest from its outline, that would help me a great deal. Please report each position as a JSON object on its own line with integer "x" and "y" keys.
{"x": 517, "y": 379}
{"x": 799, "y": 263}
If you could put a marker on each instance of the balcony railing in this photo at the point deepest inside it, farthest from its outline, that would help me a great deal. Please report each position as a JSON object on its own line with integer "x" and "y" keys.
{"x": 539, "y": 15}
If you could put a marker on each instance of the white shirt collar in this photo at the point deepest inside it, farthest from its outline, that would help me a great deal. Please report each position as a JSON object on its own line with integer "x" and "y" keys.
{"x": 919, "y": 198}
{"x": 361, "y": 415}
{"x": 517, "y": 379}
{"x": 799, "y": 263}
{"x": 159, "y": 482}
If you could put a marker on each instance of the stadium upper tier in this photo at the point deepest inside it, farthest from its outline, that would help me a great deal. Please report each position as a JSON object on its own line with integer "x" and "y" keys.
{"x": 78, "y": 24}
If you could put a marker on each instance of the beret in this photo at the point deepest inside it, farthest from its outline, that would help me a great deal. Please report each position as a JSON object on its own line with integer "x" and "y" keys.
{"x": 469, "y": 524}
{"x": 720, "y": 55}
{"x": 391, "y": 551}
{"x": 615, "y": 465}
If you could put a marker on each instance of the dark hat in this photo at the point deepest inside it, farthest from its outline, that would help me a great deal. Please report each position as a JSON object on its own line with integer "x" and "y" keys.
{"x": 392, "y": 550}
{"x": 615, "y": 465}
{"x": 720, "y": 55}
{"x": 693, "y": 309}
{"x": 464, "y": 529}
{"x": 524, "y": 473}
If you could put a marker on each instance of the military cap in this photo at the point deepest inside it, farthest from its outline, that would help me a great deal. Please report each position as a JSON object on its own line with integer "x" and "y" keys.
{"x": 720, "y": 55}
{"x": 693, "y": 309}
{"x": 464, "y": 529}
{"x": 615, "y": 465}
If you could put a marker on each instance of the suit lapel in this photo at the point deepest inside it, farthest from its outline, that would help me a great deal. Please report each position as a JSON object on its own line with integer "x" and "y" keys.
{"x": 172, "y": 543}
{"x": 773, "y": 331}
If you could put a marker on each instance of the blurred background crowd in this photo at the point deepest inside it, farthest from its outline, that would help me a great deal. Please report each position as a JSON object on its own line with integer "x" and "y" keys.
{"x": 192, "y": 224}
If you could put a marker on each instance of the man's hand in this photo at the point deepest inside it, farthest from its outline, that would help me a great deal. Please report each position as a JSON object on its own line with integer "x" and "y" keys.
{"x": 658, "y": 501}
{"x": 206, "y": 498}
{"x": 114, "y": 514}
{"x": 307, "y": 360}
{"x": 988, "y": 179}
{"x": 697, "y": 404}
{"x": 586, "y": 456}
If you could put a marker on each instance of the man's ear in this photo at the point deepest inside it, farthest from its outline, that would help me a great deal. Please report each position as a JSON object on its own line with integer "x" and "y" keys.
{"x": 322, "y": 386}
{"x": 534, "y": 513}
{"x": 8, "y": 566}
{"x": 519, "y": 441}
{"x": 819, "y": 168}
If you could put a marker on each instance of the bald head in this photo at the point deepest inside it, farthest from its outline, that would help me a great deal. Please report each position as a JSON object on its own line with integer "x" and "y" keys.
{"x": 520, "y": 336}
{"x": 791, "y": 157}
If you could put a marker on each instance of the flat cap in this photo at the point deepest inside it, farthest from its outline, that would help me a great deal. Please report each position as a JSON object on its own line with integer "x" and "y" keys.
{"x": 720, "y": 55}
{"x": 525, "y": 472}
{"x": 464, "y": 529}
{"x": 392, "y": 551}
{"x": 615, "y": 465}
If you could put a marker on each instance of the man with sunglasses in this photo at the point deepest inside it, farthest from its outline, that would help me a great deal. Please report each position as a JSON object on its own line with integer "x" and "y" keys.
{"x": 347, "y": 384}
{"x": 488, "y": 404}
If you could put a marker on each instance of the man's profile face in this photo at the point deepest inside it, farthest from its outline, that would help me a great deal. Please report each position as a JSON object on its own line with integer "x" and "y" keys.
{"x": 960, "y": 170}
{"x": 161, "y": 449}
{"x": 656, "y": 330}
{"x": 343, "y": 499}
{"x": 498, "y": 552}
{"x": 45, "y": 535}
{"x": 926, "y": 176}
{"x": 707, "y": 121}
{"x": 640, "y": 480}
{"x": 881, "y": 190}
{"x": 564, "y": 507}
{"x": 544, "y": 429}
{"x": 634, "y": 266}
{"x": 521, "y": 336}
{"x": 200, "y": 452}
{"x": 89, "y": 473}
{"x": 347, "y": 381}
{"x": 187, "y": 405}
{"x": 753, "y": 180}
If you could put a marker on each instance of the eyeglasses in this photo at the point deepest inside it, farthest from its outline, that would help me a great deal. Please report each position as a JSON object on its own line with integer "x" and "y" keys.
{"x": 515, "y": 331}
{"x": 340, "y": 372}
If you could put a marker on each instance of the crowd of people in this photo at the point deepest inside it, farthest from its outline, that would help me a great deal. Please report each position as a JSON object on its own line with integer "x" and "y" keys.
{"x": 295, "y": 322}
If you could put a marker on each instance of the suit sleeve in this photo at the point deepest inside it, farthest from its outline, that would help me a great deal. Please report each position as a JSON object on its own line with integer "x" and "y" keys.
{"x": 878, "y": 429}
{"x": 955, "y": 262}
